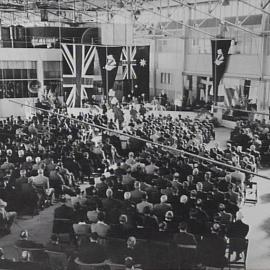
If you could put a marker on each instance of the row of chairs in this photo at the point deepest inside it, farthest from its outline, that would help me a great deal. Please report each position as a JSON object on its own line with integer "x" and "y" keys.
{"x": 156, "y": 255}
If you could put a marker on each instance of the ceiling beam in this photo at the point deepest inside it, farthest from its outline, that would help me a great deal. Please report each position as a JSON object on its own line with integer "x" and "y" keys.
{"x": 183, "y": 24}
{"x": 213, "y": 16}
{"x": 266, "y": 4}
{"x": 150, "y": 27}
{"x": 253, "y": 6}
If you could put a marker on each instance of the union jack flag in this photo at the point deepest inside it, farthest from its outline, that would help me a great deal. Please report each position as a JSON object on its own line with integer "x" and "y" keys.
{"x": 78, "y": 69}
{"x": 128, "y": 62}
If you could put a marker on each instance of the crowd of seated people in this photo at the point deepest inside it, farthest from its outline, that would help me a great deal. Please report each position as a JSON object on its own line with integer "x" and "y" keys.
{"x": 136, "y": 192}
{"x": 254, "y": 137}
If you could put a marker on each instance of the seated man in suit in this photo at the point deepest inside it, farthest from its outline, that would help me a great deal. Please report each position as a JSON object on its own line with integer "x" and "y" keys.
{"x": 63, "y": 212}
{"x": 161, "y": 208}
{"x": 101, "y": 228}
{"x": 144, "y": 203}
{"x": 55, "y": 246}
{"x": 212, "y": 248}
{"x": 238, "y": 229}
{"x": 93, "y": 252}
{"x": 133, "y": 250}
{"x": 137, "y": 194}
{"x": 186, "y": 247}
{"x": 183, "y": 238}
{"x": 121, "y": 230}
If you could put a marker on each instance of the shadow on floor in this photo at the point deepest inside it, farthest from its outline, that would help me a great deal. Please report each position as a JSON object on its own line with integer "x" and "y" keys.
{"x": 265, "y": 198}
{"x": 266, "y": 227}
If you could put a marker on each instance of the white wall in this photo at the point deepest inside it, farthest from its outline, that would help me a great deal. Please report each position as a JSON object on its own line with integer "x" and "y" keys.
{"x": 8, "y": 108}
{"x": 244, "y": 66}
{"x": 29, "y": 54}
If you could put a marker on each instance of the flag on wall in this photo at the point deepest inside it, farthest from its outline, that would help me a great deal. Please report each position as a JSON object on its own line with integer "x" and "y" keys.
{"x": 109, "y": 58}
{"x": 78, "y": 70}
{"x": 220, "y": 49}
{"x": 135, "y": 62}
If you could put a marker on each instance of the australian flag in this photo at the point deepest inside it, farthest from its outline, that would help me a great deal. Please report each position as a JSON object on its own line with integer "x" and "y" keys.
{"x": 78, "y": 71}
{"x": 135, "y": 69}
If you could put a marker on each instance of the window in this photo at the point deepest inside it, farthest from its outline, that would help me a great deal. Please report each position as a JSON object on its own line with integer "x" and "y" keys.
{"x": 165, "y": 78}
{"x": 52, "y": 70}
{"x": 15, "y": 77}
{"x": 169, "y": 78}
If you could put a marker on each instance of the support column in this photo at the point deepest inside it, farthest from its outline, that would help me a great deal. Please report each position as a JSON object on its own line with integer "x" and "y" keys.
{"x": 263, "y": 105}
{"x": 40, "y": 76}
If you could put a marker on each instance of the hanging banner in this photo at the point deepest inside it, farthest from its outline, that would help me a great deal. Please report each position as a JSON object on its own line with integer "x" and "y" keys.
{"x": 220, "y": 49}
{"x": 109, "y": 58}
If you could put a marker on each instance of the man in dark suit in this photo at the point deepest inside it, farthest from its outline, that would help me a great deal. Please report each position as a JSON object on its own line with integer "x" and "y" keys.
{"x": 23, "y": 179}
{"x": 238, "y": 229}
{"x": 186, "y": 247}
{"x": 137, "y": 194}
{"x": 93, "y": 252}
{"x": 111, "y": 207}
{"x": 109, "y": 202}
{"x": 54, "y": 245}
{"x": 161, "y": 208}
{"x": 121, "y": 230}
{"x": 133, "y": 250}
{"x": 212, "y": 248}
{"x": 184, "y": 238}
{"x": 207, "y": 184}
{"x": 64, "y": 211}
{"x": 61, "y": 213}
{"x": 102, "y": 187}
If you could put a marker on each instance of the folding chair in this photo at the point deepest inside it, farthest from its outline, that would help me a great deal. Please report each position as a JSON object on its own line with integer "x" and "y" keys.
{"x": 92, "y": 266}
{"x": 159, "y": 254}
{"x": 251, "y": 193}
{"x": 114, "y": 247}
{"x": 186, "y": 256}
{"x": 62, "y": 225}
{"x": 115, "y": 266}
{"x": 57, "y": 260}
{"x": 241, "y": 245}
{"x": 37, "y": 254}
